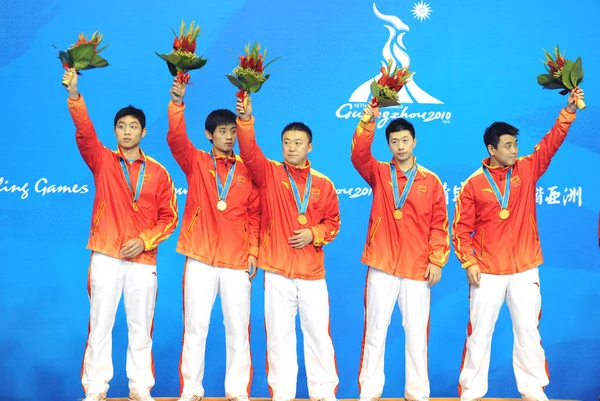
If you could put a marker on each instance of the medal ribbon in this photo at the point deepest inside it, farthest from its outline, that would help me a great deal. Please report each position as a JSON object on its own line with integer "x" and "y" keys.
{"x": 222, "y": 191}
{"x": 502, "y": 200}
{"x": 140, "y": 180}
{"x": 399, "y": 200}
{"x": 302, "y": 205}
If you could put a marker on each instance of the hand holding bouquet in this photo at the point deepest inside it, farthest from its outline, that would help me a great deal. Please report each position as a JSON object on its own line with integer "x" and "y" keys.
{"x": 83, "y": 55}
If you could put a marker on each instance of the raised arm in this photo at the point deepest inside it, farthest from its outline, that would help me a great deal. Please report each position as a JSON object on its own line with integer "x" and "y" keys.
{"x": 87, "y": 141}
{"x": 545, "y": 150}
{"x": 250, "y": 152}
{"x": 181, "y": 147}
{"x": 361, "y": 156}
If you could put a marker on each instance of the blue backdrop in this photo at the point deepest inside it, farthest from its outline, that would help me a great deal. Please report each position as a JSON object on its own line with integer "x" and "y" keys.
{"x": 475, "y": 62}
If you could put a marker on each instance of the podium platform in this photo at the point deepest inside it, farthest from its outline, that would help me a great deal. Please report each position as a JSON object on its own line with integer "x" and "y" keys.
{"x": 349, "y": 399}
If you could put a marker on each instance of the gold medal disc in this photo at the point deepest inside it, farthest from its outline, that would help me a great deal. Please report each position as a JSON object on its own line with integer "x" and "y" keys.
{"x": 221, "y": 205}
{"x": 504, "y": 213}
{"x": 302, "y": 219}
{"x": 398, "y": 214}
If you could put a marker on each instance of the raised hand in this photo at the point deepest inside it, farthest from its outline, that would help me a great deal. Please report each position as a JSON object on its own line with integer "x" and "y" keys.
{"x": 177, "y": 92}
{"x": 244, "y": 111}
{"x": 71, "y": 76}
{"x": 575, "y": 95}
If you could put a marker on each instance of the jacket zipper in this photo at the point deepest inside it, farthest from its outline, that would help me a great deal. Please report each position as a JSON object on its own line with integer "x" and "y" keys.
{"x": 374, "y": 230}
{"x": 189, "y": 230}
{"x": 266, "y": 240}
{"x": 97, "y": 219}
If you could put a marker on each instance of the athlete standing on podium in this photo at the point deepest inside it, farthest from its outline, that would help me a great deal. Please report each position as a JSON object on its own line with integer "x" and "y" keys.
{"x": 496, "y": 239}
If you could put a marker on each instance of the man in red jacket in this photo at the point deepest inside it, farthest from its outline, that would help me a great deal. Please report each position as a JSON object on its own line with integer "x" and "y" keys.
{"x": 220, "y": 239}
{"x": 299, "y": 215}
{"x": 496, "y": 239}
{"x": 134, "y": 210}
{"x": 407, "y": 246}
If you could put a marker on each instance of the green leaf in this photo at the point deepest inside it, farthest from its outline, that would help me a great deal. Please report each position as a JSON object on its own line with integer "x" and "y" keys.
{"x": 554, "y": 85}
{"x": 385, "y": 102}
{"x": 576, "y": 73}
{"x": 100, "y": 49}
{"x": 188, "y": 64}
{"x": 170, "y": 58}
{"x": 566, "y": 74}
{"x": 82, "y": 56}
{"x": 235, "y": 81}
{"x": 270, "y": 62}
{"x": 374, "y": 88}
{"x": 545, "y": 79}
{"x": 564, "y": 92}
{"x": 98, "y": 62}
{"x": 172, "y": 69}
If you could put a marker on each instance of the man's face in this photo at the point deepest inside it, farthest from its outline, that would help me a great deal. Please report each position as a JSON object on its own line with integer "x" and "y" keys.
{"x": 507, "y": 151}
{"x": 402, "y": 144}
{"x": 295, "y": 147}
{"x": 224, "y": 137}
{"x": 129, "y": 132}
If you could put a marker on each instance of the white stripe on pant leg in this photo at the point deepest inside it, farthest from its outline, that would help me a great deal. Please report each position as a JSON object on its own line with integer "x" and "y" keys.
{"x": 106, "y": 282}
{"x": 234, "y": 289}
{"x": 414, "y": 302}
{"x": 382, "y": 291}
{"x": 486, "y": 301}
{"x": 319, "y": 356}
{"x": 139, "y": 292}
{"x": 281, "y": 307}
{"x": 529, "y": 361}
{"x": 201, "y": 283}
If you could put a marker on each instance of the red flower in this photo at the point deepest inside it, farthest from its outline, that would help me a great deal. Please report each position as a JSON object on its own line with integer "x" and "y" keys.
{"x": 561, "y": 62}
{"x": 183, "y": 77}
{"x": 176, "y": 44}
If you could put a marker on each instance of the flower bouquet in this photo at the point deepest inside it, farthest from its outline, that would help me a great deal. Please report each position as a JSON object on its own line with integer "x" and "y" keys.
{"x": 249, "y": 75}
{"x": 562, "y": 74}
{"x": 385, "y": 90}
{"x": 183, "y": 58}
{"x": 83, "y": 55}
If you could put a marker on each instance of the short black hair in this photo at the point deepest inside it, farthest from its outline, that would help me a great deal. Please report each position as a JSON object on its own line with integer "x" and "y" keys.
{"x": 133, "y": 112}
{"x": 298, "y": 126}
{"x": 218, "y": 117}
{"x": 398, "y": 125}
{"x": 495, "y": 131}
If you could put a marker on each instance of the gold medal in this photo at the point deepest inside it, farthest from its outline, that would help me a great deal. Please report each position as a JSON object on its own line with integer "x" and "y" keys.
{"x": 504, "y": 213}
{"x": 398, "y": 214}
{"x": 135, "y": 206}
{"x": 302, "y": 219}
{"x": 221, "y": 205}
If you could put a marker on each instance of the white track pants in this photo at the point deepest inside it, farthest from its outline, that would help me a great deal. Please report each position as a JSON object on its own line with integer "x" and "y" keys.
{"x": 283, "y": 298}
{"x": 381, "y": 294}
{"x": 522, "y": 294}
{"x": 109, "y": 278}
{"x": 202, "y": 283}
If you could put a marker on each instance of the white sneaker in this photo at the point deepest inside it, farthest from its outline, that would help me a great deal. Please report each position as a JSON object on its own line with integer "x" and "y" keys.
{"x": 140, "y": 397}
{"x": 330, "y": 398}
{"x": 187, "y": 397}
{"x": 95, "y": 397}
{"x": 239, "y": 398}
